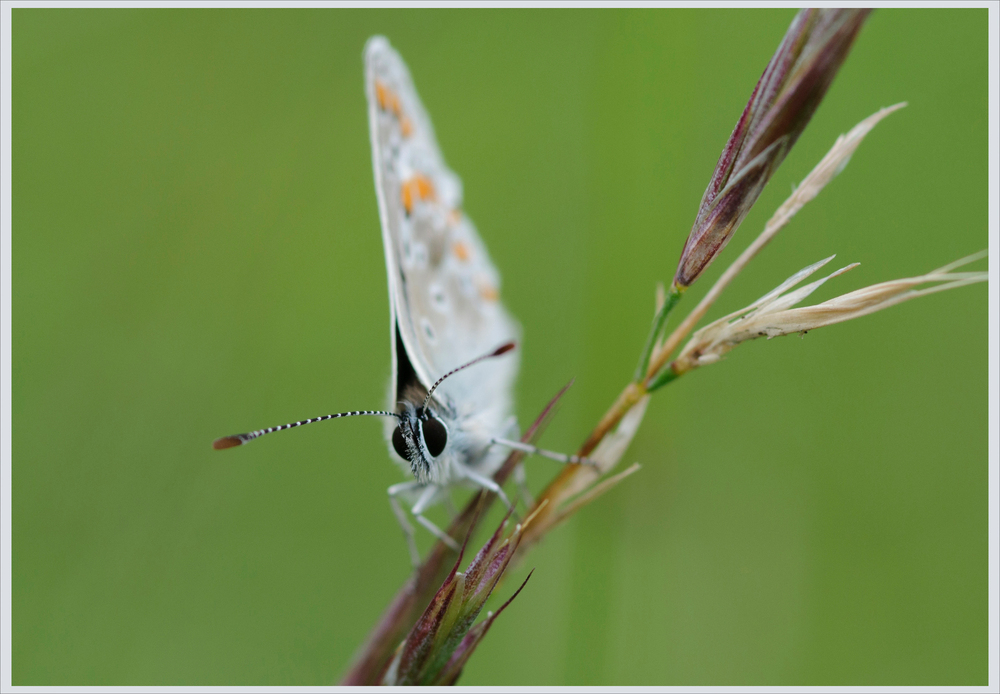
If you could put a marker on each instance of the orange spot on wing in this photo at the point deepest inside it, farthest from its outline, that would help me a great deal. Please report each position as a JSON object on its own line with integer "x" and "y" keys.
{"x": 424, "y": 187}
{"x": 385, "y": 96}
{"x": 416, "y": 188}
{"x": 388, "y": 100}
{"x": 489, "y": 293}
{"x": 454, "y": 217}
{"x": 461, "y": 250}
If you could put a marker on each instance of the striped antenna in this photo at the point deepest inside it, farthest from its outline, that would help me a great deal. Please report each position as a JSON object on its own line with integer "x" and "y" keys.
{"x": 502, "y": 349}
{"x": 240, "y": 439}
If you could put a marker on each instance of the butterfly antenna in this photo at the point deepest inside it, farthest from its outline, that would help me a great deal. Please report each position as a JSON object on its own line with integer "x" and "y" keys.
{"x": 502, "y": 349}
{"x": 240, "y": 439}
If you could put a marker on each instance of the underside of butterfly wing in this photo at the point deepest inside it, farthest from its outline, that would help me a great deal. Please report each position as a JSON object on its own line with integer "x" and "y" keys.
{"x": 443, "y": 288}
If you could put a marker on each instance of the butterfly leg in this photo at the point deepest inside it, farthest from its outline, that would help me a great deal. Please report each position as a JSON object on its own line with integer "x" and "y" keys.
{"x": 487, "y": 483}
{"x": 520, "y": 478}
{"x": 535, "y": 450}
{"x": 425, "y": 500}
{"x": 411, "y": 543}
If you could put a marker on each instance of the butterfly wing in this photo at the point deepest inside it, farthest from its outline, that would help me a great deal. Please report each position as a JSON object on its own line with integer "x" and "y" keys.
{"x": 443, "y": 289}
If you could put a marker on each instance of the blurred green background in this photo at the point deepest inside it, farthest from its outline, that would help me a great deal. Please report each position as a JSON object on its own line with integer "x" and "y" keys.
{"x": 196, "y": 252}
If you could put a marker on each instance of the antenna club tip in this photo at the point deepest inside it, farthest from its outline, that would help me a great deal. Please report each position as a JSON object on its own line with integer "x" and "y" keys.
{"x": 503, "y": 349}
{"x": 226, "y": 442}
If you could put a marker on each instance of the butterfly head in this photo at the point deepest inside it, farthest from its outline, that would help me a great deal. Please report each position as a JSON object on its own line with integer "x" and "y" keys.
{"x": 420, "y": 438}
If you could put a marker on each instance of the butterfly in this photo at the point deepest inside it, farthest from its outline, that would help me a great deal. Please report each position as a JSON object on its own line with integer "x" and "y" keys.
{"x": 450, "y": 418}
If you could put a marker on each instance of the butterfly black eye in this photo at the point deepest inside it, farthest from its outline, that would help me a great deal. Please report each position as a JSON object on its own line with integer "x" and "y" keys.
{"x": 399, "y": 443}
{"x": 435, "y": 435}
